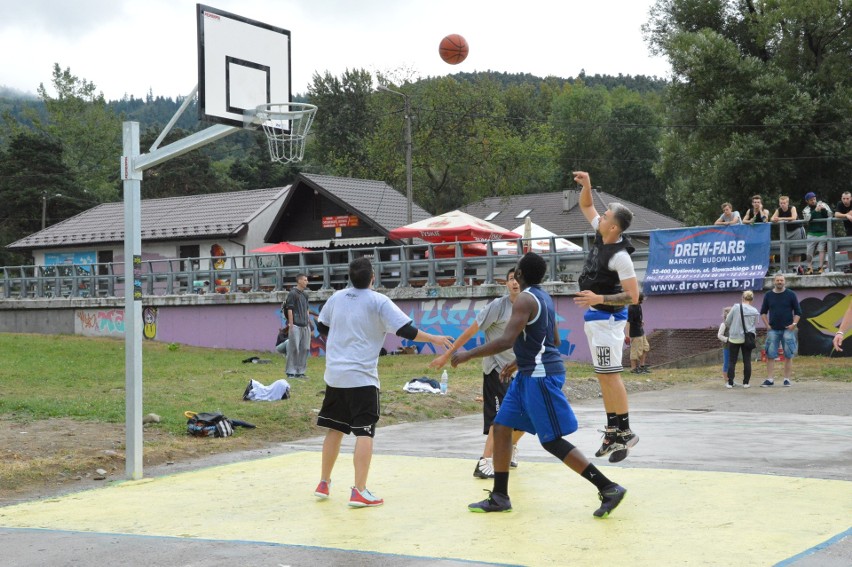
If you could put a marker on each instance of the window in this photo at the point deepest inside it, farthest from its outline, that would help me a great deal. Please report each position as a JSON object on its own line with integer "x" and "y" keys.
{"x": 523, "y": 213}
{"x": 191, "y": 251}
{"x": 491, "y": 216}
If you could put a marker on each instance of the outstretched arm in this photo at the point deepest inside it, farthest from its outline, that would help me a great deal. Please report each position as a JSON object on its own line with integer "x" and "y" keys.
{"x": 442, "y": 359}
{"x": 522, "y": 310}
{"x": 412, "y": 333}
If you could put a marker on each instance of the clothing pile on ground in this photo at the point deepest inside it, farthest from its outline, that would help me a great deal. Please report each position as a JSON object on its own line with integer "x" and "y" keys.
{"x": 257, "y": 392}
{"x": 422, "y": 385}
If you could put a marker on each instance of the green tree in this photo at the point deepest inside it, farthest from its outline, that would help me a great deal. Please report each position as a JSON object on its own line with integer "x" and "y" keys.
{"x": 580, "y": 117}
{"x": 191, "y": 173}
{"x": 34, "y": 181}
{"x": 760, "y": 100}
{"x": 89, "y": 132}
{"x": 255, "y": 170}
{"x": 344, "y": 120}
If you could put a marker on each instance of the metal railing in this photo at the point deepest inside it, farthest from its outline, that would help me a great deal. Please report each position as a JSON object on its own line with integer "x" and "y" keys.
{"x": 395, "y": 266}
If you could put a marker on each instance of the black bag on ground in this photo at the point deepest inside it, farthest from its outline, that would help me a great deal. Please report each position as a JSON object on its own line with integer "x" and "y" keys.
{"x": 208, "y": 424}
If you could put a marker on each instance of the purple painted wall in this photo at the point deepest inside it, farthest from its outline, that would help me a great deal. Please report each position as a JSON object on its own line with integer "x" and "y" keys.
{"x": 255, "y": 326}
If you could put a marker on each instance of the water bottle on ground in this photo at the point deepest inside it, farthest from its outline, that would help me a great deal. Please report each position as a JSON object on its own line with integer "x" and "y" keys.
{"x": 444, "y": 380}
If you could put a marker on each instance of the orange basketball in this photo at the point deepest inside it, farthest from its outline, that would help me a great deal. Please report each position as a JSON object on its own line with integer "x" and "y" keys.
{"x": 453, "y": 49}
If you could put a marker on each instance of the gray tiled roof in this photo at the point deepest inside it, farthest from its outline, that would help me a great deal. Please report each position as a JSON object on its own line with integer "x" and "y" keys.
{"x": 194, "y": 216}
{"x": 558, "y": 212}
{"x": 374, "y": 201}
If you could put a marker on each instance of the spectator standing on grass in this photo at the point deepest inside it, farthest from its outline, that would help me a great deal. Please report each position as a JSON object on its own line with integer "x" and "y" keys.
{"x": 635, "y": 331}
{"x": 301, "y": 326}
{"x": 723, "y": 336}
{"x": 780, "y": 313}
{"x": 741, "y": 319}
{"x": 729, "y": 216}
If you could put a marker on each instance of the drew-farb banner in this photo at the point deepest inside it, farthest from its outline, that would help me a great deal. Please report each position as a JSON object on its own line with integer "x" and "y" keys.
{"x": 706, "y": 259}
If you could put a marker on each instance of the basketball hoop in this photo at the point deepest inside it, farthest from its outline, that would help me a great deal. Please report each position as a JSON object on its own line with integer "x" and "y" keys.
{"x": 286, "y": 126}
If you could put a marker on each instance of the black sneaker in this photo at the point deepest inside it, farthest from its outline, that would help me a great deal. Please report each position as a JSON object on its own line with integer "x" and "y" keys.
{"x": 609, "y": 443}
{"x": 483, "y": 469}
{"x": 497, "y": 502}
{"x": 645, "y": 370}
{"x": 610, "y": 499}
{"x": 247, "y": 391}
{"x": 626, "y": 440}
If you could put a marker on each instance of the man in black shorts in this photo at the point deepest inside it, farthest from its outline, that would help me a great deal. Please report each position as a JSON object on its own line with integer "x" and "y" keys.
{"x": 491, "y": 321}
{"x": 356, "y": 320}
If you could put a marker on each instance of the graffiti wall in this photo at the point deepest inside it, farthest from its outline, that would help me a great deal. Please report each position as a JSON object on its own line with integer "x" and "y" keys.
{"x": 99, "y": 322}
{"x": 254, "y": 327}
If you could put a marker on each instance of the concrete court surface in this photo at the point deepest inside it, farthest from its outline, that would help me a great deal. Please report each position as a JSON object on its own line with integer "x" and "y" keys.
{"x": 720, "y": 477}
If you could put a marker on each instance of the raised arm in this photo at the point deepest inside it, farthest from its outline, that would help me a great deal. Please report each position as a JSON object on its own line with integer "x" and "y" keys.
{"x": 586, "y": 203}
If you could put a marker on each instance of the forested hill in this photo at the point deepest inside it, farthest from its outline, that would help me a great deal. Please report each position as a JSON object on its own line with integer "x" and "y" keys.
{"x": 639, "y": 83}
{"x": 158, "y": 110}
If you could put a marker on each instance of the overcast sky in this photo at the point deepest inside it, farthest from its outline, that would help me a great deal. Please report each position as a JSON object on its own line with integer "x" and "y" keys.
{"x": 128, "y": 47}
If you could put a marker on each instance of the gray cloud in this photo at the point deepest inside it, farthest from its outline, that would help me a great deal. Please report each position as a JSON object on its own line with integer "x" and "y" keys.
{"x": 63, "y": 18}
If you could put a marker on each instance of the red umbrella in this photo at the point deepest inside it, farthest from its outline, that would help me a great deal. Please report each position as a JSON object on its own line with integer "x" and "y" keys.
{"x": 468, "y": 249}
{"x": 280, "y": 248}
{"x": 454, "y": 226}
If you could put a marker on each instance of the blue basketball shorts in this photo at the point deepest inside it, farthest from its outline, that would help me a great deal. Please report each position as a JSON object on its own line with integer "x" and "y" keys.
{"x": 538, "y": 406}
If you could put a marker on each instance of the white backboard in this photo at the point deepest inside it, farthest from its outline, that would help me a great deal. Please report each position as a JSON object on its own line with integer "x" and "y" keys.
{"x": 241, "y": 63}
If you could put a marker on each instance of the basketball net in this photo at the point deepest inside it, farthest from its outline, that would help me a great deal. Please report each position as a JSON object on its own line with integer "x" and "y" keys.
{"x": 286, "y": 126}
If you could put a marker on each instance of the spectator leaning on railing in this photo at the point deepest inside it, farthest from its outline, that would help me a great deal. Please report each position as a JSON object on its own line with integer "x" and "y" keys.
{"x": 786, "y": 215}
{"x": 729, "y": 215}
{"x": 756, "y": 213}
{"x": 843, "y": 210}
{"x": 816, "y": 214}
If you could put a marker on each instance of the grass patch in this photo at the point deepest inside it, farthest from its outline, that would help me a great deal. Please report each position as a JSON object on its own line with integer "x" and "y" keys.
{"x": 77, "y": 384}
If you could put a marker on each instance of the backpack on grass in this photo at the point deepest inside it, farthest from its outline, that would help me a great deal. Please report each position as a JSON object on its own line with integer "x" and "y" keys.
{"x": 208, "y": 424}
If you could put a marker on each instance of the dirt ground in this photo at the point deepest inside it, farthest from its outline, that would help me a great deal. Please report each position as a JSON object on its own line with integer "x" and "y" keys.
{"x": 99, "y": 446}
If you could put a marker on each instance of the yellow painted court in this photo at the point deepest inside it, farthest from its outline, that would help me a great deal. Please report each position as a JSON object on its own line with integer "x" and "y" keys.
{"x": 668, "y": 518}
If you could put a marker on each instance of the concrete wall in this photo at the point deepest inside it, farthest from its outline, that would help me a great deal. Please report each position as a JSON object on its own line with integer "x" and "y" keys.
{"x": 251, "y": 321}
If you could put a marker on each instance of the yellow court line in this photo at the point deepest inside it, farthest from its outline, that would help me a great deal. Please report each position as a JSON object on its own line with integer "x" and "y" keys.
{"x": 668, "y": 518}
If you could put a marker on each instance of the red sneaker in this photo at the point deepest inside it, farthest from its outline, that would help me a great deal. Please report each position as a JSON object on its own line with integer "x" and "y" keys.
{"x": 322, "y": 489}
{"x": 364, "y": 499}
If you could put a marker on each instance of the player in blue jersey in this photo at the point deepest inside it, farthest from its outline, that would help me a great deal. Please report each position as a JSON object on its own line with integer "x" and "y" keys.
{"x": 535, "y": 402}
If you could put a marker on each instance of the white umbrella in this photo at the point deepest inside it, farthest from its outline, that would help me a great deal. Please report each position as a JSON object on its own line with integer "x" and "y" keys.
{"x": 540, "y": 242}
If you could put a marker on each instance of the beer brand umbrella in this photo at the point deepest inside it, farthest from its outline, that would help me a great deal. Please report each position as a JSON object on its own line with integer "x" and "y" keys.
{"x": 539, "y": 242}
{"x": 280, "y": 248}
{"x": 454, "y": 226}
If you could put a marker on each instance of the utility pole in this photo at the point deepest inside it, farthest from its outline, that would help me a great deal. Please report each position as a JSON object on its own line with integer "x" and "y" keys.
{"x": 408, "y": 179}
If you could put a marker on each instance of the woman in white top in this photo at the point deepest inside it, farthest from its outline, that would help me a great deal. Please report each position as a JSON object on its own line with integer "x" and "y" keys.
{"x": 736, "y": 336}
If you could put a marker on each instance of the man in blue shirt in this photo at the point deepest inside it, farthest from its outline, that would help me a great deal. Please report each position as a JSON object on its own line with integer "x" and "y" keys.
{"x": 535, "y": 402}
{"x": 780, "y": 313}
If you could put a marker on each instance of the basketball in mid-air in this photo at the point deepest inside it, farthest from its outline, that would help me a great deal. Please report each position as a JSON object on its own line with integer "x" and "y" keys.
{"x": 453, "y": 49}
